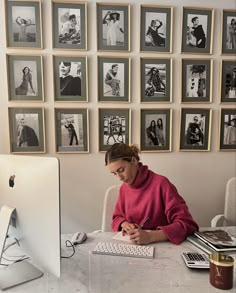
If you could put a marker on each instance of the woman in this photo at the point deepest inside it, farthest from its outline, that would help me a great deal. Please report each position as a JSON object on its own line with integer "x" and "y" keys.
{"x": 145, "y": 195}
{"x": 69, "y": 85}
{"x": 23, "y": 24}
{"x": 231, "y": 35}
{"x": 151, "y": 133}
{"x": 112, "y": 80}
{"x": 26, "y": 135}
{"x": 155, "y": 38}
{"x": 112, "y": 20}
{"x": 154, "y": 82}
{"x": 26, "y": 80}
{"x": 160, "y": 134}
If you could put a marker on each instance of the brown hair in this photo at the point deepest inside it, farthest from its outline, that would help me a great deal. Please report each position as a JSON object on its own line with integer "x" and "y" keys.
{"x": 121, "y": 151}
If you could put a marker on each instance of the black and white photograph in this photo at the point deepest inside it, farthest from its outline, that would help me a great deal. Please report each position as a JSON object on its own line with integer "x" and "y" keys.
{"x": 197, "y": 30}
{"x": 70, "y": 78}
{"x": 24, "y": 24}
{"x": 113, "y": 79}
{"x": 228, "y": 80}
{"x": 69, "y": 20}
{"x": 228, "y": 129}
{"x": 229, "y": 32}
{"x": 25, "y": 77}
{"x": 113, "y": 27}
{"x": 195, "y": 129}
{"x": 71, "y": 130}
{"x": 26, "y": 129}
{"x": 114, "y": 127}
{"x": 156, "y": 129}
{"x": 196, "y": 80}
{"x": 156, "y": 80}
{"x": 69, "y": 26}
{"x": 156, "y": 28}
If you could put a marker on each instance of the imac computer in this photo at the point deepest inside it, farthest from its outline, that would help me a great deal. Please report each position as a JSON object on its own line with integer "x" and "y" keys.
{"x": 30, "y": 196}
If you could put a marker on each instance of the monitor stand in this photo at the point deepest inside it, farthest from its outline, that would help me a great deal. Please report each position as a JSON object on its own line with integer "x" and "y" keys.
{"x": 18, "y": 273}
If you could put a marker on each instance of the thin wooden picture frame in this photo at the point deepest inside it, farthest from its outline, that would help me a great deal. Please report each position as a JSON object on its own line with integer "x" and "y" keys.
{"x": 114, "y": 126}
{"x": 156, "y": 80}
{"x": 228, "y": 81}
{"x": 195, "y": 129}
{"x": 23, "y": 24}
{"x": 113, "y": 38}
{"x": 156, "y": 130}
{"x": 70, "y": 78}
{"x": 25, "y": 77}
{"x": 69, "y": 20}
{"x": 227, "y": 129}
{"x": 197, "y": 30}
{"x": 156, "y": 24}
{"x": 27, "y": 130}
{"x": 72, "y": 130}
{"x": 228, "y": 39}
{"x": 196, "y": 85}
{"x": 114, "y": 79}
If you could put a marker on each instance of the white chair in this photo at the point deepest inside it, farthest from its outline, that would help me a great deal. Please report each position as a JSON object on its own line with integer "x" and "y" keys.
{"x": 110, "y": 200}
{"x": 229, "y": 216}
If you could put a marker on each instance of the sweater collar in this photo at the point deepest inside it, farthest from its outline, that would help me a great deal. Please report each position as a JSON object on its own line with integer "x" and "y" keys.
{"x": 141, "y": 176}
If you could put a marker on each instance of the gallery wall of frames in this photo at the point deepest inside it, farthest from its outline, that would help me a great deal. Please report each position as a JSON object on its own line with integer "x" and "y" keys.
{"x": 70, "y": 76}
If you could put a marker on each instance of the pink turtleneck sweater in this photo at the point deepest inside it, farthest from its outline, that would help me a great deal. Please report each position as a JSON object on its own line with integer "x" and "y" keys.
{"x": 154, "y": 196}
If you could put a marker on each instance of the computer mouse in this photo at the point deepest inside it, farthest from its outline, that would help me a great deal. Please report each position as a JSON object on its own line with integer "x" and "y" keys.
{"x": 79, "y": 237}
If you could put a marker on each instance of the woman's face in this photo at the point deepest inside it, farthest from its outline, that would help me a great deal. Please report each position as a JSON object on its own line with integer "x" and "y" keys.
{"x": 26, "y": 70}
{"x": 159, "y": 122}
{"x": 64, "y": 68}
{"x": 152, "y": 123}
{"x": 124, "y": 171}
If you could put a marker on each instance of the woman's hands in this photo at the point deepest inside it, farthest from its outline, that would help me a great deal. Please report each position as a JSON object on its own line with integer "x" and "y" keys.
{"x": 136, "y": 234}
{"x": 128, "y": 227}
{"x": 139, "y": 236}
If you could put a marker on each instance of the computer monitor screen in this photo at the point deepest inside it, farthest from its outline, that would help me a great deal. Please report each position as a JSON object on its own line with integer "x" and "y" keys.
{"x": 31, "y": 185}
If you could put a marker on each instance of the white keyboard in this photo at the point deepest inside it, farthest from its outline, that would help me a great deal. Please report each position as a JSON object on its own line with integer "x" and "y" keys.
{"x": 124, "y": 250}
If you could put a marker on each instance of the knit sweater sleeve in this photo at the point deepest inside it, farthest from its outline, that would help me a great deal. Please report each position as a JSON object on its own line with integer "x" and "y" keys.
{"x": 118, "y": 216}
{"x": 181, "y": 223}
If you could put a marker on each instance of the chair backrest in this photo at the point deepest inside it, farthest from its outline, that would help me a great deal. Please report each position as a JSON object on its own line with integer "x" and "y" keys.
{"x": 110, "y": 200}
{"x": 230, "y": 203}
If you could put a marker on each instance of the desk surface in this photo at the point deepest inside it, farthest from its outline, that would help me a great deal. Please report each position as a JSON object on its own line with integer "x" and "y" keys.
{"x": 89, "y": 273}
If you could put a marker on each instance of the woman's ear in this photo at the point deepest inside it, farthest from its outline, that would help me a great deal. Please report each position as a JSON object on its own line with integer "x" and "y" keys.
{"x": 134, "y": 161}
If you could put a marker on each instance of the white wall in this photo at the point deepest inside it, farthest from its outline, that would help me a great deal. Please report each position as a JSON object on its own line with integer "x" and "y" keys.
{"x": 200, "y": 177}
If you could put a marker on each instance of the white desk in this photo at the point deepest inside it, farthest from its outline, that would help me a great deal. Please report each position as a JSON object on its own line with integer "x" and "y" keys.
{"x": 89, "y": 273}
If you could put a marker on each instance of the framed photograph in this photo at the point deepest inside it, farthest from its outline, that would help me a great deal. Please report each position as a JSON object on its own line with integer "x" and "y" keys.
{"x": 23, "y": 24}
{"x": 70, "y": 78}
{"x": 71, "y": 127}
{"x": 195, "y": 129}
{"x": 156, "y": 126}
{"x": 156, "y": 79}
{"x": 228, "y": 45}
{"x": 113, "y": 27}
{"x": 228, "y": 81}
{"x": 197, "y": 30}
{"x": 27, "y": 130}
{"x": 25, "y": 77}
{"x": 114, "y": 126}
{"x": 69, "y": 25}
{"x": 156, "y": 29}
{"x": 196, "y": 80}
{"x": 113, "y": 79}
{"x": 228, "y": 129}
